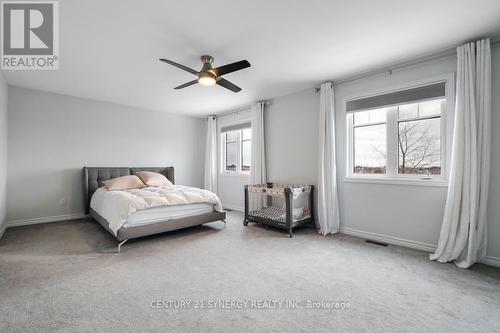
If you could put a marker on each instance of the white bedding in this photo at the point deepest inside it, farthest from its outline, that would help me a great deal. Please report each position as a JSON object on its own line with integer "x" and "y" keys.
{"x": 117, "y": 206}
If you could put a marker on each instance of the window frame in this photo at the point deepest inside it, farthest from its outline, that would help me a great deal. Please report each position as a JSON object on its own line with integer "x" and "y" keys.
{"x": 443, "y": 149}
{"x": 241, "y": 150}
{"x": 392, "y": 176}
{"x": 239, "y": 154}
{"x": 352, "y": 127}
{"x": 225, "y": 142}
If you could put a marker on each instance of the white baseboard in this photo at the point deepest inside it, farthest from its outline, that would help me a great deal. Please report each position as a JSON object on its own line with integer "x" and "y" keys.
{"x": 234, "y": 207}
{"x": 491, "y": 261}
{"x": 38, "y": 220}
{"x": 388, "y": 239}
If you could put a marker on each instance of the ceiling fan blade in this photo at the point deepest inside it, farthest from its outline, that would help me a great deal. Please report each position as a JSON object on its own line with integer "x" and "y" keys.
{"x": 187, "y": 69}
{"x": 229, "y": 68}
{"x": 190, "y": 83}
{"x": 228, "y": 85}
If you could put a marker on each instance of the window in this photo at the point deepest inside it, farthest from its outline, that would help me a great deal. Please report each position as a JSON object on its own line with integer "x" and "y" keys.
{"x": 232, "y": 139}
{"x": 246, "y": 149}
{"x": 404, "y": 141}
{"x": 419, "y": 138}
{"x": 237, "y": 148}
{"x": 370, "y": 142}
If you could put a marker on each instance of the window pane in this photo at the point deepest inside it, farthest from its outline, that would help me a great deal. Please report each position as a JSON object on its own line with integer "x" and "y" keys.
{"x": 430, "y": 108}
{"x": 420, "y": 147}
{"x": 378, "y": 116}
{"x": 361, "y": 118}
{"x": 232, "y": 135}
{"x": 231, "y": 156}
{"x": 423, "y": 109}
{"x": 246, "y": 134}
{"x": 370, "y": 117}
{"x": 408, "y": 111}
{"x": 370, "y": 149}
{"x": 246, "y": 155}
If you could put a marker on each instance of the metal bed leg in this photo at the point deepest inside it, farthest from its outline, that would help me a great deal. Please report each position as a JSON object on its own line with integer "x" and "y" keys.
{"x": 120, "y": 245}
{"x": 225, "y": 224}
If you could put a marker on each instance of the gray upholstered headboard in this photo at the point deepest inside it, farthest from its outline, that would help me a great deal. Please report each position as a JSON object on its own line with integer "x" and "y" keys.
{"x": 94, "y": 176}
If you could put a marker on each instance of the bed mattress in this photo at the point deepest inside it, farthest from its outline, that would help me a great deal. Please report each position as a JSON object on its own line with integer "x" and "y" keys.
{"x": 158, "y": 204}
{"x": 153, "y": 215}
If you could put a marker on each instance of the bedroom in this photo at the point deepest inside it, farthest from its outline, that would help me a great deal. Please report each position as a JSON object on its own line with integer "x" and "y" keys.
{"x": 109, "y": 102}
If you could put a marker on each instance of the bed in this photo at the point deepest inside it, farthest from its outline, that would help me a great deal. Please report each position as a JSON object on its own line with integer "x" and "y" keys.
{"x": 147, "y": 221}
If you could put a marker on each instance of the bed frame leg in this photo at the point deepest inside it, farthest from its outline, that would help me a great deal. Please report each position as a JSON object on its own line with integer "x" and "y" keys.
{"x": 120, "y": 245}
{"x": 225, "y": 224}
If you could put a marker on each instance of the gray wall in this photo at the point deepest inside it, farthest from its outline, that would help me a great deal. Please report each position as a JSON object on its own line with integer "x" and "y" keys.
{"x": 51, "y": 137}
{"x": 291, "y": 127}
{"x": 403, "y": 212}
{"x": 398, "y": 212}
{"x": 3, "y": 151}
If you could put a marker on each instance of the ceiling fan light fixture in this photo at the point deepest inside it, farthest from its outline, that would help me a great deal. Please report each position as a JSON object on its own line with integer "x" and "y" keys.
{"x": 206, "y": 81}
{"x": 209, "y": 76}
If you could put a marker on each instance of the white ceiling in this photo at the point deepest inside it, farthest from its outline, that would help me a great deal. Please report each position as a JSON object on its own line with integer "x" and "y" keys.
{"x": 109, "y": 50}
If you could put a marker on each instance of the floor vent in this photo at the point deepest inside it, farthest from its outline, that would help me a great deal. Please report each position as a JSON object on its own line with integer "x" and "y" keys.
{"x": 376, "y": 243}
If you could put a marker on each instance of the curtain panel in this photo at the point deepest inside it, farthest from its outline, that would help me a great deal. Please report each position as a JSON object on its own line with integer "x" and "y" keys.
{"x": 463, "y": 232}
{"x": 211, "y": 155}
{"x": 258, "y": 163}
{"x": 328, "y": 202}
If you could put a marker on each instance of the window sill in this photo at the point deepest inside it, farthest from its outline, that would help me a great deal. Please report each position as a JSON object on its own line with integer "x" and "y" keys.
{"x": 397, "y": 181}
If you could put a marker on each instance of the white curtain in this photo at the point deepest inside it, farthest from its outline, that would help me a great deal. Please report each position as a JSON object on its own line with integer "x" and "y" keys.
{"x": 328, "y": 203}
{"x": 258, "y": 163}
{"x": 463, "y": 232}
{"x": 211, "y": 155}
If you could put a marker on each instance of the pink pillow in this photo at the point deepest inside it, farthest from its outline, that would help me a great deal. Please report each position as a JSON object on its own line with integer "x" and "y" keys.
{"x": 153, "y": 178}
{"x": 124, "y": 183}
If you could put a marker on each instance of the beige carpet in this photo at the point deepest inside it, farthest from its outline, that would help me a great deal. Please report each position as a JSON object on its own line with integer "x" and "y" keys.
{"x": 62, "y": 277}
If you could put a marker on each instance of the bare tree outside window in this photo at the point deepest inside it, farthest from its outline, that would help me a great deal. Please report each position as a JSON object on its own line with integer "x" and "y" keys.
{"x": 419, "y": 147}
{"x": 418, "y": 141}
{"x": 419, "y": 138}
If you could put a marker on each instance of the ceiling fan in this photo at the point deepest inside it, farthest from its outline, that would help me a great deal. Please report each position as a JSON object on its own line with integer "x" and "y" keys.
{"x": 209, "y": 76}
